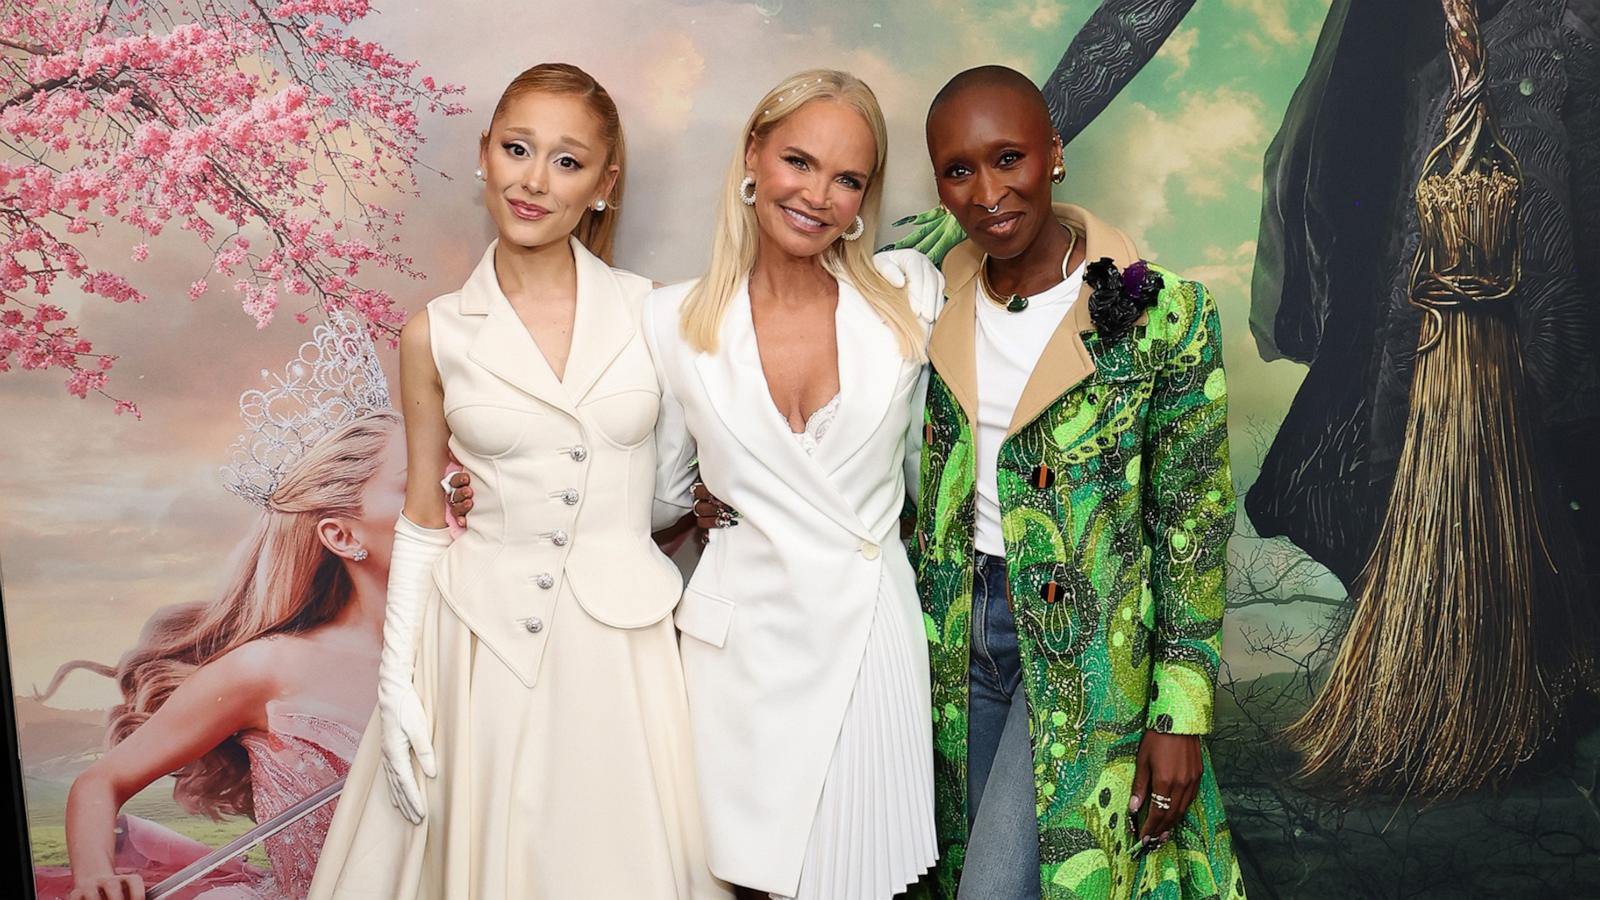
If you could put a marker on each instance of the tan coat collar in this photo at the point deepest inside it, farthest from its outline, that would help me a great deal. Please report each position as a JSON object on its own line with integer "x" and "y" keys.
{"x": 1065, "y": 361}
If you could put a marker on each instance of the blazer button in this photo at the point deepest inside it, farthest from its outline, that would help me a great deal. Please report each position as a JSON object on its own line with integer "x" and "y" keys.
{"x": 534, "y": 625}
{"x": 579, "y": 453}
{"x": 569, "y": 497}
{"x": 1042, "y": 477}
{"x": 559, "y": 538}
{"x": 869, "y": 550}
{"x": 545, "y": 580}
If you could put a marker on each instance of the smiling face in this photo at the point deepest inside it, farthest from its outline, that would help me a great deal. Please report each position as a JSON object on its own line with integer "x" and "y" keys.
{"x": 811, "y": 172}
{"x": 544, "y": 161}
{"x": 993, "y": 146}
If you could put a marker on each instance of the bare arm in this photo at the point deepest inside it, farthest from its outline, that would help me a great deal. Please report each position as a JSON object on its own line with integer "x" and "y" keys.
{"x": 675, "y": 446}
{"x": 427, "y": 435}
{"x": 222, "y": 697}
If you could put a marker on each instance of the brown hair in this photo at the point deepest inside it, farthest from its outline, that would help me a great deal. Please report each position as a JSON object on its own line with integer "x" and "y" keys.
{"x": 597, "y": 230}
{"x": 285, "y": 582}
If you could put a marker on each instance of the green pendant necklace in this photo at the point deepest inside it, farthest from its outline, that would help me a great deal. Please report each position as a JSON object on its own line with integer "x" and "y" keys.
{"x": 1016, "y": 303}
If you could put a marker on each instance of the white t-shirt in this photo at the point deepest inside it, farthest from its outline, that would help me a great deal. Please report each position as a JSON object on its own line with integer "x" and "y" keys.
{"x": 1009, "y": 346}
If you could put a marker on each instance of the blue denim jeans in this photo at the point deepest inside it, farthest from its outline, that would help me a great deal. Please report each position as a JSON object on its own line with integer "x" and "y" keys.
{"x": 1003, "y": 850}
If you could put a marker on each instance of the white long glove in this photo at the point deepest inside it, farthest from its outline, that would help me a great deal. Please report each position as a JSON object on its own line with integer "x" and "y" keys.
{"x": 402, "y": 723}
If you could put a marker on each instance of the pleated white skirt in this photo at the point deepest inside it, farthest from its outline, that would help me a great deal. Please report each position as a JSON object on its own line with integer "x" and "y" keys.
{"x": 874, "y": 834}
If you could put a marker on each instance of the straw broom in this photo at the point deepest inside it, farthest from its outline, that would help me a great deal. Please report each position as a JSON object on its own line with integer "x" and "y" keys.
{"x": 1455, "y": 662}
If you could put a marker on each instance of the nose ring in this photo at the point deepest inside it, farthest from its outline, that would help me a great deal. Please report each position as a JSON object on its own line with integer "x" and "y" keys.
{"x": 992, "y": 209}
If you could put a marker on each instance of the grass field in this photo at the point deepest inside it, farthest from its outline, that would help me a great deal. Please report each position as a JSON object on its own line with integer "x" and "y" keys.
{"x": 47, "y": 833}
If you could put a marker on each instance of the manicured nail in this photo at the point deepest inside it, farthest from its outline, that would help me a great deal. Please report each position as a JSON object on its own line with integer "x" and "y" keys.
{"x": 905, "y": 220}
{"x": 1134, "y": 803}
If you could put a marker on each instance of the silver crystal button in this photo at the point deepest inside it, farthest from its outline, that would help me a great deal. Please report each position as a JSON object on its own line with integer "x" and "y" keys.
{"x": 559, "y": 538}
{"x": 545, "y": 580}
{"x": 579, "y": 453}
{"x": 534, "y": 625}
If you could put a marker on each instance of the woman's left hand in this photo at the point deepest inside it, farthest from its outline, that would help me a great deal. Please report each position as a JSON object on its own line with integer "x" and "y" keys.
{"x": 709, "y": 512}
{"x": 1165, "y": 779}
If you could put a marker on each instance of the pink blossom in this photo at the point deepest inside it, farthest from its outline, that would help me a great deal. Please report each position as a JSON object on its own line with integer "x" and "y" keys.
{"x": 208, "y": 122}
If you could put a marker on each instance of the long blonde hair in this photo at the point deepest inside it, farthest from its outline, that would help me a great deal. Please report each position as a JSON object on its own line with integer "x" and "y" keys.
{"x": 733, "y": 246}
{"x": 286, "y": 582}
{"x": 597, "y": 229}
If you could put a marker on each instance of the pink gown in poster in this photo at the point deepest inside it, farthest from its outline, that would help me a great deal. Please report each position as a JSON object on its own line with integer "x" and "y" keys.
{"x": 302, "y": 751}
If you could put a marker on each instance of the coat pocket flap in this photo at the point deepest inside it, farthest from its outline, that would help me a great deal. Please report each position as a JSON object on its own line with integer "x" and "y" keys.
{"x": 704, "y": 617}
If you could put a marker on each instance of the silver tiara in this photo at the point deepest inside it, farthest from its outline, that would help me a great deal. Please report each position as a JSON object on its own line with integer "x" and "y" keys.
{"x": 335, "y": 379}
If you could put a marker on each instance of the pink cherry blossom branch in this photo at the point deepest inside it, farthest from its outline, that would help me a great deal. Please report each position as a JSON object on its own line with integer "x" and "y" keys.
{"x": 221, "y": 117}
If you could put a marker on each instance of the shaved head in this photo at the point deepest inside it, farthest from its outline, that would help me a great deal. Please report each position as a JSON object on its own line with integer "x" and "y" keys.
{"x": 994, "y": 79}
{"x": 995, "y": 152}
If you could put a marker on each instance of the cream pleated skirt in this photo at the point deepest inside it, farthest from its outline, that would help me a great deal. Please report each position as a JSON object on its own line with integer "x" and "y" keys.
{"x": 874, "y": 830}
{"x": 580, "y": 787}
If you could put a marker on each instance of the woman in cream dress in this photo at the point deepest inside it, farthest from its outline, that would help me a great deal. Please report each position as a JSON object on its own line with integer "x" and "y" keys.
{"x": 545, "y": 710}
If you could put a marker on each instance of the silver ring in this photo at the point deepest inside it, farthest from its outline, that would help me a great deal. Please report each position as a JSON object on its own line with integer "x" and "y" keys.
{"x": 1160, "y": 801}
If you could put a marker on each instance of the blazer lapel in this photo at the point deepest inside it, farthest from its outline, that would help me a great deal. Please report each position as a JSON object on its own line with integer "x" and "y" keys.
{"x": 737, "y": 389}
{"x": 503, "y": 344}
{"x": 1066, "y": 361}
{"x": 953, "y": 348}
{"x": 870, "y": 365}
{"x": 603, "y": 325}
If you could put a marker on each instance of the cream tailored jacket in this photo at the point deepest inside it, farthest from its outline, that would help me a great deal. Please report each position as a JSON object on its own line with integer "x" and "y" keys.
{"x": 565, "y": 469}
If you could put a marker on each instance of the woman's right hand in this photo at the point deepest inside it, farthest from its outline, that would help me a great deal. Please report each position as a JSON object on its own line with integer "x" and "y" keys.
{"x": 403, "y": 729}
{"x": 109, "y": 886}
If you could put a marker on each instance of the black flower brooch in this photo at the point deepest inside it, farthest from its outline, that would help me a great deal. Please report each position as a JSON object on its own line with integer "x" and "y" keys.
{"x": 1118, "y": 298}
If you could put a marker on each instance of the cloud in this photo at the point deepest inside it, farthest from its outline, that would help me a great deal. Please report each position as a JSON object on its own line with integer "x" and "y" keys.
{"x": 1226, "y": 272}
{"x": 1179, "y": 50}
{"x": 1142, "y": 160}
{"x": 672, "y": 69}
{"x": 1271, "y": 26}
{"x": 1042, "y": 14}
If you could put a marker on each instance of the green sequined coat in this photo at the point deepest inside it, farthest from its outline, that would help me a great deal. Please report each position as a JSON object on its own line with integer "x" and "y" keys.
{"x": 1117, "y": 504}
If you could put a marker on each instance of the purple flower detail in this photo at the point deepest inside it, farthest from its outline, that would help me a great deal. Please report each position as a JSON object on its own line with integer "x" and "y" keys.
{"x": 1133, "y": 278}
{"x": 1117, "y": 298}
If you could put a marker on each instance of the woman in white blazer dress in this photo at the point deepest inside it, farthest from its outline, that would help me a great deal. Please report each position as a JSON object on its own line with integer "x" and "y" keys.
{"x": 545, "y": 709}
{"x": 804, "y": 652}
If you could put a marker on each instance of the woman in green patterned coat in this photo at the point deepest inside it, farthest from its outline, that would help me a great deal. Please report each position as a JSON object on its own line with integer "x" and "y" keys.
{"x": 1074, "y": 513}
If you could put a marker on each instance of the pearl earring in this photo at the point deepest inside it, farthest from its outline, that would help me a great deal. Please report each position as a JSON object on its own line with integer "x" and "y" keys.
{"x": 856, "y": 230}
{"x": 600, "y": 206}
{"x": 478, "y": 174}
{"x": 747, "y": 191}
